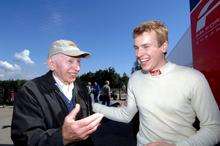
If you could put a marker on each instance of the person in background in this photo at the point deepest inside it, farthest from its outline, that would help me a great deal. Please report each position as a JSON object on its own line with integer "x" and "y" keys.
{"x": 96, "y": 90}
{"x": 55, "y": 109}
{"x": 89, "y": 88}
{"x": 168, "y": 97}
{"x": 106, "y": 93}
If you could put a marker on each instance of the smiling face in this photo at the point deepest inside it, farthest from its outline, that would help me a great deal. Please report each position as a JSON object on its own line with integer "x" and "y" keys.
{"x": 64, "y": 67}
{"x": 149, "y": 54}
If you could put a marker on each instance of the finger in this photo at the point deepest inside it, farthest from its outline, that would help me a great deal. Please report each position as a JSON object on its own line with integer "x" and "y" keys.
{"x": 74, "y": 112}
{"x": 86, "y": 130}
{"x": 151, "y": 144}
{"x": 95, "y": 123}
{"x": 85, "y": 137}
{"x": 86, "y": 121}
{"x": 156, "y": 143}
{"x": 87, "y": 133}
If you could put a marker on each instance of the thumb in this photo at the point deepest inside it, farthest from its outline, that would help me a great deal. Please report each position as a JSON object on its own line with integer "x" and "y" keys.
{"x": 74, "y": 112}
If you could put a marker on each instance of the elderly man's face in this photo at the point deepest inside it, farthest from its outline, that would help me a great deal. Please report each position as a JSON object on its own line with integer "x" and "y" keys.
{"x": 65, "y": 67}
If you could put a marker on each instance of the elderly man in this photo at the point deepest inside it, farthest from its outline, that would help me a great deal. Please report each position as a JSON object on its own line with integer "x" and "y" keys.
{"x": 167, "y": 96}
{"x": 55, "y": 109}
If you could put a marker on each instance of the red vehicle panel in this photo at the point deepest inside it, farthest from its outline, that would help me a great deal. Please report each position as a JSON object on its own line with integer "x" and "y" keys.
{"x": 205, "y": 29}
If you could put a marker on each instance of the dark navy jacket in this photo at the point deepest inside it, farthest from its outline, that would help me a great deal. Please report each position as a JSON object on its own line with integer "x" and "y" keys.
{"x": 39, "y": 112}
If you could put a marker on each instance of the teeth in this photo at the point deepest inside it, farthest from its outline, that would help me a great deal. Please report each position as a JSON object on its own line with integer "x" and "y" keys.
{"x": 144, "y": 60}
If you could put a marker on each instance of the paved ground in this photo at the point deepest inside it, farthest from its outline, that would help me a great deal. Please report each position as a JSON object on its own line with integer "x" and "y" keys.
{"x": 5, "y": 122}
{"x": 110, "y": 133}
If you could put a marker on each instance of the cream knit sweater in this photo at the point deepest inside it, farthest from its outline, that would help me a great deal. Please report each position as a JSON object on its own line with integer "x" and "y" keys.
{"x": 167, "y": 105}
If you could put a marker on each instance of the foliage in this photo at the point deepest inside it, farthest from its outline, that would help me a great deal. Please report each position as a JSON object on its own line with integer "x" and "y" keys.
{"x": 12, "y": 84}
{"x": 100, "y": 76}
{"x": 136, "y": 66}
{"x": 8, "y": 87}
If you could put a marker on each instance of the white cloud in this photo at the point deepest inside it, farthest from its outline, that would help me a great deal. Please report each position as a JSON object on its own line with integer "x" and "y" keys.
{"x": 9, "y": 67}
{"x": 53, "y": 21}
{"x": 56, "y": 18}
{"x": 24, "y": 56}
{"x": 1, "y": 76}
{"x": 17, "y": 67}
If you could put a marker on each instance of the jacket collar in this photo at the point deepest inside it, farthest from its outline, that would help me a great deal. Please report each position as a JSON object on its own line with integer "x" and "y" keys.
{"x": 50, "y": 81}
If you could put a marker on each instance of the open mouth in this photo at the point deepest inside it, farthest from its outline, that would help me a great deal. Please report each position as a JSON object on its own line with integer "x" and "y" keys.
{"x": 143, "y": 61}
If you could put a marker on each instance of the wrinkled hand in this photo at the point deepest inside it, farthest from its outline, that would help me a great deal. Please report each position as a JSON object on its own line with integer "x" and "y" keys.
{"x": 160, "y": 143}
{"x": 80, "y": 129}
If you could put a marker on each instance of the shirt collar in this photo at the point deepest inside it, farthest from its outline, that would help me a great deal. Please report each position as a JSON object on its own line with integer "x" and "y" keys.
{"x": 65, "y": 89}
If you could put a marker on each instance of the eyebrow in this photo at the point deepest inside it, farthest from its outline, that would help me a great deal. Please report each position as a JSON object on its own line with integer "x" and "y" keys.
{"x": 145, "y": 44}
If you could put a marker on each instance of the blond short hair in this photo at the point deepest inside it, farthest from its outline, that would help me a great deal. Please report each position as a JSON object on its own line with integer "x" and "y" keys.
{"x": 158, "y": 27}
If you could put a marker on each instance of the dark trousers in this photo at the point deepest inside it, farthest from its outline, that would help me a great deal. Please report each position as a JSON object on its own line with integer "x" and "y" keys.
{"x": 106, "y": 99}
{"x": 96, "y": 97}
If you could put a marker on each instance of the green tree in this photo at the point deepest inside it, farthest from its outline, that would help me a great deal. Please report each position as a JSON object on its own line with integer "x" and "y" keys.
{"x": 124, "y": 79}
{"x": 101, "y": 76}
{"x": 8, "y": 86}
{"x": 136, "y": 66}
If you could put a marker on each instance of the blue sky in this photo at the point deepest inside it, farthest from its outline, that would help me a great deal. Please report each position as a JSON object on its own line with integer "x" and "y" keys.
{"x": 102, "y": 27}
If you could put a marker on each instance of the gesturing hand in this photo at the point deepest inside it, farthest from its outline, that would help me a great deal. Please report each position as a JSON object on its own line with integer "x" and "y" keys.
{"x": 80, "y": 129}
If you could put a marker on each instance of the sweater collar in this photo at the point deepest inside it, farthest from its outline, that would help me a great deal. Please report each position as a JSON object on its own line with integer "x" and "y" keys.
{"x": 164, "y": 70}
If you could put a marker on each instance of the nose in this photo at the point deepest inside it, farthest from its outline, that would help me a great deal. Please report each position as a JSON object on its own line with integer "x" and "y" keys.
{"x": 139, "y": 52}
{"x": 77, "y": 67}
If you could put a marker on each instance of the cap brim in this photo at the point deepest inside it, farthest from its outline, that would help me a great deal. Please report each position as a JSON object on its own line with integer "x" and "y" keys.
{"x": 77, "y": 53}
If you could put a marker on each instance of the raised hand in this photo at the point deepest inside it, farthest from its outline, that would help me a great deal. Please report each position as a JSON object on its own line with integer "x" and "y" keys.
{"x": 75, "y": 130}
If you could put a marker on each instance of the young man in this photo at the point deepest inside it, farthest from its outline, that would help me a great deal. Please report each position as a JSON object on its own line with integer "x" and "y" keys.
{"x": 54, "y": 109}
{"x": 167, "y": 96}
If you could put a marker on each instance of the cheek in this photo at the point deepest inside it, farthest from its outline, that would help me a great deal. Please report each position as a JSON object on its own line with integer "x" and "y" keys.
{"x": 64, "y": 68}
{"x": 64, "y": 71}
{"x": 135, "y": 53}
{"x": 154, "y": 52}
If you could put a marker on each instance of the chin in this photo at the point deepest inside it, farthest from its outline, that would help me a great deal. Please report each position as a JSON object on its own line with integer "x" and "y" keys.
{"x": 144, "y": 71}
{"x": 71, "y": 80}
{"x": 144, "y": 68}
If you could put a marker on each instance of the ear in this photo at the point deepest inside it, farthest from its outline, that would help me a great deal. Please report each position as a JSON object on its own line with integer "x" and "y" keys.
{"x": 50, "y": 64}
{"x": 164, "y": 47}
